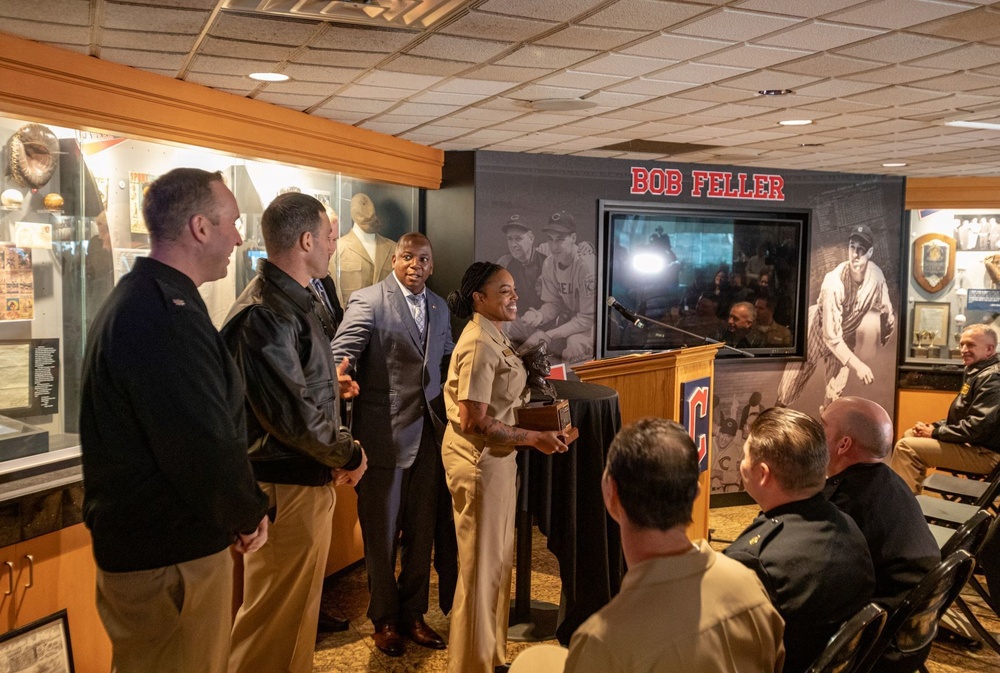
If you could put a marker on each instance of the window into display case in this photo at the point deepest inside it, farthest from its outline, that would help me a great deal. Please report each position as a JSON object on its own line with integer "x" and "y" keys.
{"x": 954, "y": 280}
{"x": 71, "y": 226}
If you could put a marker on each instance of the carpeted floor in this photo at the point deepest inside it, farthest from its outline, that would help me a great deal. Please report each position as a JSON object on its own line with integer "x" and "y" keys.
{"x": 354, "y": 651}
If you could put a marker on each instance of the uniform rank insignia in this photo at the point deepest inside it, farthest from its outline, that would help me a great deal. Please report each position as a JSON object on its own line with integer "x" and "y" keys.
{"x": 507, "y": 352}
{"x": 755, "y": 539}
{"x": 179, "y": 302}
{"x": 965, "y": 389}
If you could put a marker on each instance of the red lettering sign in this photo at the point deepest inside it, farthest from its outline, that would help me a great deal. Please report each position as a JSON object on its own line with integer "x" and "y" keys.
{"x": 710, "y": 184}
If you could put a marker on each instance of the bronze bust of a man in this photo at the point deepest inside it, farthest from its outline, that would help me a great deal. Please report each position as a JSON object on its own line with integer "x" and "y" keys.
{"x": 536, "y": 361}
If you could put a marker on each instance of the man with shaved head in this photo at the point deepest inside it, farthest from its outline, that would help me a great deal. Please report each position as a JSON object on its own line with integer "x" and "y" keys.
{"x": 859, "y": 437}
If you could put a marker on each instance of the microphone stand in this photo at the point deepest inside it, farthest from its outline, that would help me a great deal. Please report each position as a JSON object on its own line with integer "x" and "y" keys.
{"x": 642, "y": 320}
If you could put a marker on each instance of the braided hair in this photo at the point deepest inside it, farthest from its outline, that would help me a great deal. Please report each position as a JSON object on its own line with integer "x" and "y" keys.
{"x": 475, "y": 277}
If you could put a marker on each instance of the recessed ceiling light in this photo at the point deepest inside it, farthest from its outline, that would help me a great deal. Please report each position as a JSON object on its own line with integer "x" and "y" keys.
{"x": 560, "y": 104}
{"x": 774, "y": 92}
{"x": 894, "y": 164}
{"x": 269, "y": 77}
{"x": 975, "y": 125}
{"x": 796, "y": 122}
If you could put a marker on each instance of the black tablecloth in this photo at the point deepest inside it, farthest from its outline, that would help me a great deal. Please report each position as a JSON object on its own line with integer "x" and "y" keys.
{"x": 564, "y": 496}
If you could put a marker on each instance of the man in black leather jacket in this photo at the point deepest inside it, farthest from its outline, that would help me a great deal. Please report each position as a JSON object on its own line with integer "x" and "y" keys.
{"x": 280, "y": 338}
{"x": 969, "y": 439}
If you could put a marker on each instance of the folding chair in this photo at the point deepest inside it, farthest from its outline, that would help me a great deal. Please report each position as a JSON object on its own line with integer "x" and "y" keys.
{"x": 961, "y": 487}
{"x": 910, "y": 629}
{"x": 952, "y": 513}
{"x": 851, "y": 642}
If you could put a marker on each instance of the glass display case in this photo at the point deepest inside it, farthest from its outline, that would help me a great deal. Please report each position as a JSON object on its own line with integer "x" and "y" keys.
{"x": 953, "y": 280}
{"x": 71, "y": 225}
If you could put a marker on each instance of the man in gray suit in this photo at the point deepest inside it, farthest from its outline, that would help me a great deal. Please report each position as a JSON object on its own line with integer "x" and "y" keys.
{"x": 397, "y": 336}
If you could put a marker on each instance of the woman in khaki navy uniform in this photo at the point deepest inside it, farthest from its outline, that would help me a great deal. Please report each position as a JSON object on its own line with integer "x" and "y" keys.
{"x": 486, "y": 382}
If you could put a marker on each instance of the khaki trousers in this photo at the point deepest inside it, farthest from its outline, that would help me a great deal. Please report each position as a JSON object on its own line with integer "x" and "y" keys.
{"x": 913, "y": 455}
{"x": 484, "y": 490}
{"x": 275, "y": 628}
{"x": 173, "y": 619}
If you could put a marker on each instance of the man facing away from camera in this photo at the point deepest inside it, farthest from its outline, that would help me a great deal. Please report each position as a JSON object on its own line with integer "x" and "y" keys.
{"x": 682, "y": 607}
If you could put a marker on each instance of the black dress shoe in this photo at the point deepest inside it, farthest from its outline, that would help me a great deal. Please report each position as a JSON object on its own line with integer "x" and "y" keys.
{"x": 331, "y": 624}
{"x": 424, "y": 635}
{"x": 388, "y": 639}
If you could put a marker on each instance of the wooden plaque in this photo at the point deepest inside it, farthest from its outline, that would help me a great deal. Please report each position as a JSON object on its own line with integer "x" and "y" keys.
{"x": 934, "y": 261}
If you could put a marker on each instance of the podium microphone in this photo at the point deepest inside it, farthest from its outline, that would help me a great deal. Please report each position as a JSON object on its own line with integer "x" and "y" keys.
{"x": 629, "y": 315}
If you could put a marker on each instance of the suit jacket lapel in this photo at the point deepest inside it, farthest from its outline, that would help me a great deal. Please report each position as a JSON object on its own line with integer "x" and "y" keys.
{"x": 400, "y": 303}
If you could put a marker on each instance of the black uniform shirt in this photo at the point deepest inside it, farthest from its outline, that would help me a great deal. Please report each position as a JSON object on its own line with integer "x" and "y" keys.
{"x": 166, "y": 474}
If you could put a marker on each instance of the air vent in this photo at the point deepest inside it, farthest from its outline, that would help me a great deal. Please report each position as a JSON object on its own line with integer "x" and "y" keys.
{"x": 657, "y": 147}
{"x": 417, "y": 15}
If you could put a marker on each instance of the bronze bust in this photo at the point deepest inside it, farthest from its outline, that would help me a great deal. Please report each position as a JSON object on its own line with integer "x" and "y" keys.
{"x": 536, "y": 361}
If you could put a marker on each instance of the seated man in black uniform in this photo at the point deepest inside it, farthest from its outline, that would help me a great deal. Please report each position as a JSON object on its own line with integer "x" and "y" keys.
{"x": 859, "y": 436}
{"x": 810, "y": 556}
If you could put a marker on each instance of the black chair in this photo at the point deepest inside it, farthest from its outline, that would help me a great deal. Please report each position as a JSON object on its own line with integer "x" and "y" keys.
{"x": 961, "y": 487}
{"x": 953, "y": 513}
{"x": 909, "y": 631}
{"x": 969, "y": 537}
{"x": 851, "y": 642}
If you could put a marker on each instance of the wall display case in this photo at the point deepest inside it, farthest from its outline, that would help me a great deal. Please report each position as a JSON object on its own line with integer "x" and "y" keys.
{"x": 953, "y": 280}
{"x": 71, "y": 226}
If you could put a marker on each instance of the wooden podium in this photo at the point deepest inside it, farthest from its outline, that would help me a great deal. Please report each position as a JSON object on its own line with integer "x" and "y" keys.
{"x": 651, "y": 385}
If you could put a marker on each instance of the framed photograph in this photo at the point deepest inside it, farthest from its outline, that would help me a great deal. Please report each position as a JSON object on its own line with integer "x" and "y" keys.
{"x": 931, "y": 322}
{"x": 42, "y": 645}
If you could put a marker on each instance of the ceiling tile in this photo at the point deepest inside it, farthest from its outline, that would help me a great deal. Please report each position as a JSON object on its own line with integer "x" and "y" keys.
{"x": 145, "y": 59}
{"x": 475, "y": 86}
{"x": 127, "y": 39}
{"x": 675, "y": 47}
{"x": 398, "y": 80}
{"x": 898, "y": 47}
{"x": 643, "y": 15}
{"x": 290, "y": 100}
{"x": 898, "y": 14}
{"x": 797, "y": 7}
{"x": 478, "y": 24}
{"x": 774, "y": 102}
{"x": 552, "y": 57}
{"x": 313, "y": 73}
{"x": 976, "y": 26}
{"x": 967, "y": 57}
{"x": 896, "y": 95}
{"x": 367, "y": 107}
{"x": 820, "y": 36}
{"x": 48, "y": 32}
{"x": 594, "y": 38}
{"x": 502, "y": 73}
{"x": 230, "y": 66}
{"x": 897, "y": 74}
{"x": 230, "y": 82}
{"x": 961, "y": 81}
{"x": 828, "y": 65}
{"x": 312, "y": 88}
{"x": 459, "y": 48}
{"x": 350, "y": 38}
{"x": 835, "y": 88}
{"x": 424, "y": 66}
{"x": 564, "y": 10}
{"x": 458, "y": 99}
{"x": 736, "y": 112}
{"x": 587, "y": 81}
{"x": 213, "y": 46}
{"x": 615, "y": 99}
{"x": 374, "y": 92}
{"x": 164, "y": 20}
{"x": 538, "y": 92}
{"x": 73, "y": 12}
{"x": 754, "y": 56}
{"x": 619, "y": 64}
{"x": 424, "y": 109}
{"x": 259, "y": 29}
{"x": 601, "y": 123}
{"x": 655, "y": 87}
{"x": 717, "y": 94}
{"x": 894, "y": 126}
{"x": 487, "y": 115}
{"x": 387, "y": 128}
{"x": 343, "y": 59}
{"x": 698, "y": 73}
{"x": 736, "y": 25}
{"x": 769, "y": 79}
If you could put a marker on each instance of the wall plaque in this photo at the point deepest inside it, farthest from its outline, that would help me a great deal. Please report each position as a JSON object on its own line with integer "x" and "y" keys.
{"x": 934, "y": 261}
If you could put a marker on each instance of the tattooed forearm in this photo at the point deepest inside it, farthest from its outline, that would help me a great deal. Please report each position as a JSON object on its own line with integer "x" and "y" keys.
{"x": 500, "y": 433}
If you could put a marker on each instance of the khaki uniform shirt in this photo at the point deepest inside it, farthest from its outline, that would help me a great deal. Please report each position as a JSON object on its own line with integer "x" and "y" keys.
{"x": 699, "y": 612}
{"x": 485, "y": 368}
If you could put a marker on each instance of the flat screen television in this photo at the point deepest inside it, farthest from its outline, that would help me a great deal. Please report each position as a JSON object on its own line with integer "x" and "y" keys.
{"x": 697, "y": 269}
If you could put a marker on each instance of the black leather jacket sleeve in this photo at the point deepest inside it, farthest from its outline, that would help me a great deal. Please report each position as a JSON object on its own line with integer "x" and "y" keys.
{"x": 292, "y": 397}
